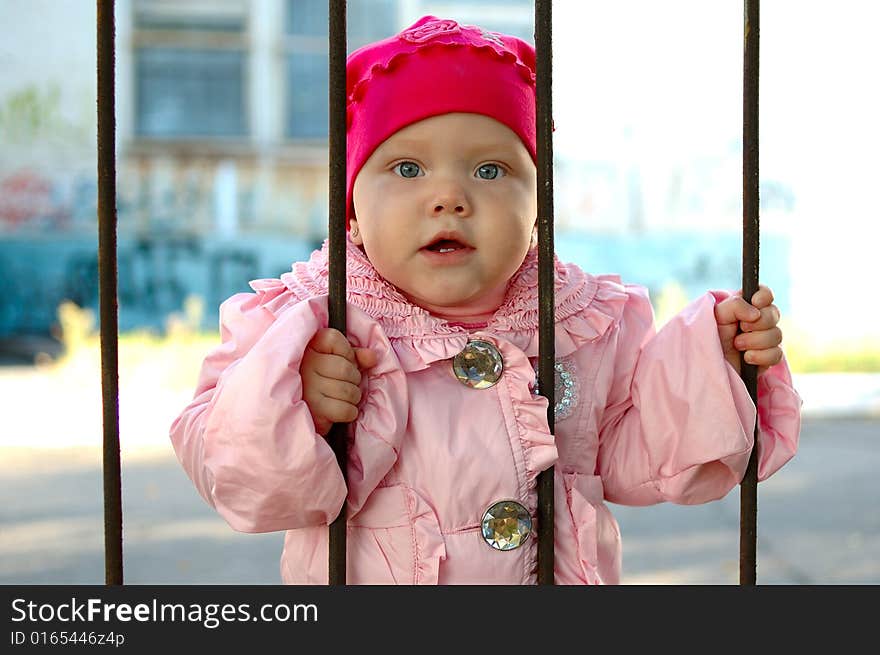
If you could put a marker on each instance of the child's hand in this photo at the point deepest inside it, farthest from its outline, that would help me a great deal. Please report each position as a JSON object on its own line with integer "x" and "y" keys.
{"x": 760, "y": 338}
{"x": 330, "y": 378}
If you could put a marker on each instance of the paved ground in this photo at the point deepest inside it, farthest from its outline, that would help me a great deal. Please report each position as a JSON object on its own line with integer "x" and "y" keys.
{"x": 818, "y": 522}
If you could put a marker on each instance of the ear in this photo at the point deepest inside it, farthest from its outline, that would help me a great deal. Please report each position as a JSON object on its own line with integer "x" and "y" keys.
{"x": 354, "y": 233}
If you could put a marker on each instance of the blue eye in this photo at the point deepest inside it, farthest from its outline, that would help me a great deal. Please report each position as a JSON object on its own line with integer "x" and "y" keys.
{"x": 407, "y": 169}
{"x": 489, "y": 171}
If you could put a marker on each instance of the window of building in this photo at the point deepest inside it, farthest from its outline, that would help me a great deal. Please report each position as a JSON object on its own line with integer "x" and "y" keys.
{"x": 193, "y": 61}
{"x": 306, "y": 56}
{"x": 189, "y": 66}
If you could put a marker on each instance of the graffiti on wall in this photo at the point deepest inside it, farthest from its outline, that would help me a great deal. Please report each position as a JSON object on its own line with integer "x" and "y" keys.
{"x": 170, "y": 242}
{"x": 30, "y": 201}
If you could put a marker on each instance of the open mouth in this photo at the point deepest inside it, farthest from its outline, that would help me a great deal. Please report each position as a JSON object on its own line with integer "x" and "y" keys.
{"x": 445, "y": 245}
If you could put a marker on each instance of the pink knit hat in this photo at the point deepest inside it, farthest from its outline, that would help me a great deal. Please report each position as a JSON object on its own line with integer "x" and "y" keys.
{"x": 436, "y": 67}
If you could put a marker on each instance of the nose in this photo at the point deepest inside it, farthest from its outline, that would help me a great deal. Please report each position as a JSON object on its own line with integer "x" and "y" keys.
{"x": 450, "y": 198}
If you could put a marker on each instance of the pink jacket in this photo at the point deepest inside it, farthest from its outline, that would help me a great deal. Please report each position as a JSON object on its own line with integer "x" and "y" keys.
{"x": 647, "y": 418}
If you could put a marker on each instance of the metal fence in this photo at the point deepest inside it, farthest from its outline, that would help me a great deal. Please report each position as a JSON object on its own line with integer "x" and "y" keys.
{"x": 337, "y": 292}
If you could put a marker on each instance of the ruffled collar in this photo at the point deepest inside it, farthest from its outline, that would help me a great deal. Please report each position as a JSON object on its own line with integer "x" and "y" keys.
{"x": 586, "y": 305}
{"x": 382, "y": 300}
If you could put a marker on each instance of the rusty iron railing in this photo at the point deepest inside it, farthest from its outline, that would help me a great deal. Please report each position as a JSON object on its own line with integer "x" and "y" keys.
{"x": 337, "y": 293}
{"x": 748, "y": 512}
{"x": 546, "y": 271}
{"x": 108, "y": 298}
{"x": 338, "y": 436}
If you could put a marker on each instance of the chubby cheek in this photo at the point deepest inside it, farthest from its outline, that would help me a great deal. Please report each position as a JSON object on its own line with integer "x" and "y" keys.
{"x": 512, "y": 243}
{"x": 514, "y": 255}
{"x": 380, "y": 252}
{"x": 387, "y": 251}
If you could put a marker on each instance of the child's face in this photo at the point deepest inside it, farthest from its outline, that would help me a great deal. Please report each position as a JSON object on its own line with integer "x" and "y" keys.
{"x": 461, "y": 177}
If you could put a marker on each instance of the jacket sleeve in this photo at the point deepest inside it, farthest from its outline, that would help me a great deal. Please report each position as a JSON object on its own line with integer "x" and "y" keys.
{"x": 678, "y": 424}
{"x": 247, "y": 439}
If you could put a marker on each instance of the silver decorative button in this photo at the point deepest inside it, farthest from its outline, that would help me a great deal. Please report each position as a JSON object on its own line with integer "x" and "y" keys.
{"x": 478, "y": 365}
{"x": 565, "y": 385}
{"x": 506, "y": 525}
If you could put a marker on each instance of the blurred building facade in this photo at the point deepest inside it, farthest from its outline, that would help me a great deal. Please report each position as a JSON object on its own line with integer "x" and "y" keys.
{"x": 222, "y": 156}
{"x": 221, "y": 144}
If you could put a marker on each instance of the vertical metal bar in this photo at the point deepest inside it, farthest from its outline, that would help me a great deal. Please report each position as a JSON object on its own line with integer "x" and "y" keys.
{"x": 337, "y": 274}
{"x": 748, "y": 535}
{"x": 108, "y": 297}
{"x": 546, "y": 302}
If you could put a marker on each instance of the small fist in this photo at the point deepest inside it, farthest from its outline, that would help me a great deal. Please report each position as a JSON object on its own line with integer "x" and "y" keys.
{"x": 331, "y": 372}
{"x": 760, "y": 336}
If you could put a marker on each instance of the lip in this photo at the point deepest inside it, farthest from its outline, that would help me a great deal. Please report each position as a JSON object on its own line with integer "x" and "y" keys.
{"x": 450, "y": 235}
{"x": 453, "y": 257}
{"x": 447, "y": 258}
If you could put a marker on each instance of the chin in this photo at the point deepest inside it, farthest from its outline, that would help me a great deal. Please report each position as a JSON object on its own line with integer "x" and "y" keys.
{"x": 441, "y": 301}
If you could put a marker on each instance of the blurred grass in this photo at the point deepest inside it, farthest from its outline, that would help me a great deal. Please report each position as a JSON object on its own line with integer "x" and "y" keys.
{"x": 805, "y": 355}
{"x": 173, "y": 359}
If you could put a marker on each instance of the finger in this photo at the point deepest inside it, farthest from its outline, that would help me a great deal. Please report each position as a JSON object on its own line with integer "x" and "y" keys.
{"x": 726, "y": 333}
{"x": 762, "y": 297}
{"x": 766, "y": 358}
{"x": 366, "y": 358}
{"x": 344, "y": 391}
{"x": 322, "y": 425}
{"x": 735, "y": 309}
{"x": 763, "y": 340}
{"x": 337, "y": 411}
{"x": 769, "y": 318}
{"x": 332, "y": 342}
{"x": 336, "y": 367}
